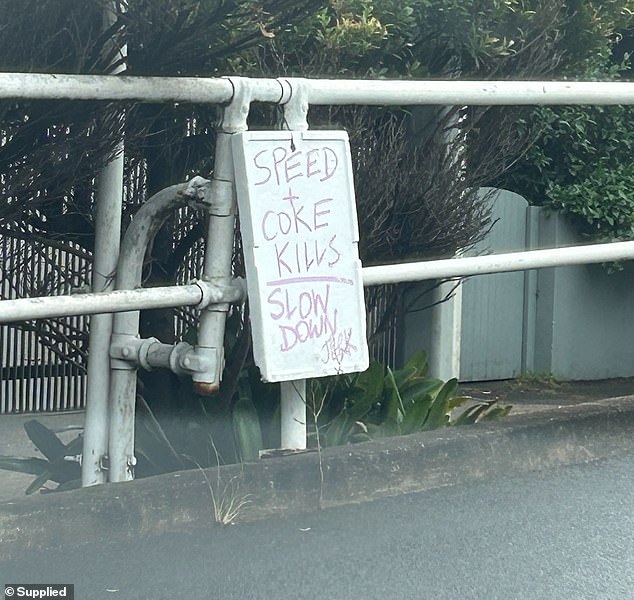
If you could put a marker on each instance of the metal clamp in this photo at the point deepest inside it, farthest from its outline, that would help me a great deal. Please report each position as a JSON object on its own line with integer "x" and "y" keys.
{"x": 296, "y": 106}
{"x": 215, "y": 292}
{"x": 124, "y": 351}
{"x": 234, "y": 114}
{"x": 184, "y": 359}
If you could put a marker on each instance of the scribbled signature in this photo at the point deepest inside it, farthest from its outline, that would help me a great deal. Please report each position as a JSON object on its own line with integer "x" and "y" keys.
{"x": 337, "y": 347}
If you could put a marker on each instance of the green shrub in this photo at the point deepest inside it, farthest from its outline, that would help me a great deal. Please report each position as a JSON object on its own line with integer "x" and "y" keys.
{"x": 380, "y": 402}
{"x": 582, "y": 166}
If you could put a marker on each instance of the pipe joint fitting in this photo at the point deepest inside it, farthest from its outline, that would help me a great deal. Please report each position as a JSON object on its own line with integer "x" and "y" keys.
{"x": 286, "y": 90}
{"x": 221, "y": 292}
{"x": 198, "y": 192}
{"x": 124, "y": 351}
{"x": 128, "y": 353}
{"x": 184, "y": 359}
{"x": 149, "y": 348}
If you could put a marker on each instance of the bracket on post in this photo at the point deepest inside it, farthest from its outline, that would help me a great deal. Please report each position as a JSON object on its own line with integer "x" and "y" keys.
{"x": 295, "y": 104}
{"x": 220, "y": 236}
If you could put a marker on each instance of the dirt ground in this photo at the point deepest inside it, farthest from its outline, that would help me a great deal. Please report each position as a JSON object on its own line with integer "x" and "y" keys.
{"x": 532, "y": 393}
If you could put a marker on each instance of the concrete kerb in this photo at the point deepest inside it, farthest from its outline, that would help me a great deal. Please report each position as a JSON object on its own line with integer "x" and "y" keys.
{"x": 351, "y": 474}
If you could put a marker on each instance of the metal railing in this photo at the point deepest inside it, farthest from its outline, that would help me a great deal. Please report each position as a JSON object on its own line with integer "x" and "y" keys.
{"x": 323, "y": 91}
{"x": 295, "y": 95}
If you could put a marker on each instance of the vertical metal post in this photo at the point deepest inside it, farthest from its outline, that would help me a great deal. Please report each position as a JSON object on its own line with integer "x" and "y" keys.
{"x": 220, "y": 234}
{"x": 444, "y": 359}
{"x": 293, "y": 414}
{"x": 293, "y": 393}
{"x": 106, "y": 254}
{"x": 108, "y": 226}
{"x": 446, "y": 330}
{"x": 218, "y": 254}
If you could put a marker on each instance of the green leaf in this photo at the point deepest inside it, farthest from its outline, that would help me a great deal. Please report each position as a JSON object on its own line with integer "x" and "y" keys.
{"x": 337, "y": 432}
{"x": 414, "y": 390}
{"x": 401, "y": 376}
{"x": 438, "y": 413}
{"x": 395, "y": 409}
{"x": 496, "y": 412}
{"x": 359, "y": 405}
{"x": 368, "y": 389}
{"x": 246, "y": 426}
{"x": 371, "y": 380}
{"x": 416, "y": 414}
{"x": 470, "y": 415}
{"x": 418, "y": 361}
{"x": 448, "y": 390}
{"x": 415, "y": 368}
{"x": 480, "y": 412}
{"x": 456, "y": 402}
{"x": 386, "y": 429}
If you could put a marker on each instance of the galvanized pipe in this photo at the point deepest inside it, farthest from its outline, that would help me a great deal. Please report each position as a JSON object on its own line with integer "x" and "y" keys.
{"x": 41, "y": 86}
{"x": 498, "y": 263}
{"x": 109, "y": 207}
{"x": 127, "y": 352}
{"x": 199, "y": 90}
{"x": 455, "y": 92}
{"x": 217, "y": 265}
{"x": 26, "y": 309}
{"x": 293, "y": 406}
{"x": 34, "y": 86}
{"x": 293, "y": 414}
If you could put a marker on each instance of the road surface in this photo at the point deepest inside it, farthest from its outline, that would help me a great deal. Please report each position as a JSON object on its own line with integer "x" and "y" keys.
{"x": 565, "y": 533}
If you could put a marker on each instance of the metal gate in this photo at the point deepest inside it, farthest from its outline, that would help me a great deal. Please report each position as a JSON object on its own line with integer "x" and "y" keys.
{"x": 493, "y": 315}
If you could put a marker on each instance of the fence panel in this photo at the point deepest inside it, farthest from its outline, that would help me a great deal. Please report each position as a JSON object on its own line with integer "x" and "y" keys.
{"x": 43, "y": 366}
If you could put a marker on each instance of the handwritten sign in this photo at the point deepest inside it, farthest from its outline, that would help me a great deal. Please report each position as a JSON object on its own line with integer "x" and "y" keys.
{"x": 300, "y": 235}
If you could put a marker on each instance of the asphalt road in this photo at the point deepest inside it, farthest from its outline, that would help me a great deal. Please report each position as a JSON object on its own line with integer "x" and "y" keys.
{"x": 565, "y": 533}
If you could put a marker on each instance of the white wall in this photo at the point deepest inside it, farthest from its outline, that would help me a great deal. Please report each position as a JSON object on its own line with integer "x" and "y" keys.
{"x": 585, "y": 315}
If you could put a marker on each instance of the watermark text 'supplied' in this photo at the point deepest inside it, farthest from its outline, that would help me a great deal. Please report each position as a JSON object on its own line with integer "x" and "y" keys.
{"x": 41, "y": 590}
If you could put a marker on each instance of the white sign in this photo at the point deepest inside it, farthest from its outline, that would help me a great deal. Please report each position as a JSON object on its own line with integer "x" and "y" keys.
{"x": 300, "y": 238}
